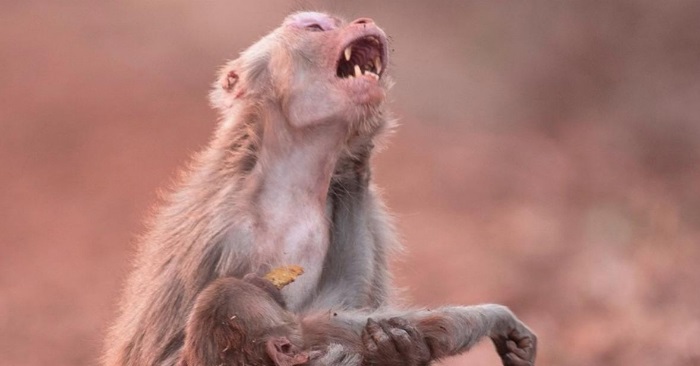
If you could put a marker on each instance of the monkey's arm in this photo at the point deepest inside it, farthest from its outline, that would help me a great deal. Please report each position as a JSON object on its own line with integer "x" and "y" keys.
{"x": 417, "y": 337}
{"x": 454, "y": 330}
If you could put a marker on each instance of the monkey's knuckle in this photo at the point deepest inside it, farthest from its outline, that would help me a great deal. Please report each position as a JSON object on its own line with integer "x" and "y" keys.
{"x": 399, "y": 333}
{"x": 398, "y": 322}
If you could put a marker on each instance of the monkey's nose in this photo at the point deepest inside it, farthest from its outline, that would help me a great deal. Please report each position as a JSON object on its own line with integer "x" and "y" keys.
{"x": 363, "y": 21}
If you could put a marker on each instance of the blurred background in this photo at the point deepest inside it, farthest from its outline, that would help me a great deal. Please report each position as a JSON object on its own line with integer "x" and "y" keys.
{"x": 548, "y": 159}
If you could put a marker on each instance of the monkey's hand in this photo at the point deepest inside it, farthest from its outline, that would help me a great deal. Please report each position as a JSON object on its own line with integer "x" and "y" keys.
{"x": 517, "y": 346}
{"x": 394, "y": 342}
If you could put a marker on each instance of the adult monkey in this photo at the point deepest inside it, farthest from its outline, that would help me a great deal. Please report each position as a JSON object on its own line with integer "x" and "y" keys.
{"x": 285, "y": 180}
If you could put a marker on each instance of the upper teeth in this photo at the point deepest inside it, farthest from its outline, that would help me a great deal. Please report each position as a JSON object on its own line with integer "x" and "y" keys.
{"x": 372, "y": 68}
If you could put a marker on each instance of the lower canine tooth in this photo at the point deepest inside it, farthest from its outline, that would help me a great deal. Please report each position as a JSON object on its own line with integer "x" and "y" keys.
{"x": 378, "y": 64}
{"x": 358, "y": 71}
{"x": 348, "y": 53}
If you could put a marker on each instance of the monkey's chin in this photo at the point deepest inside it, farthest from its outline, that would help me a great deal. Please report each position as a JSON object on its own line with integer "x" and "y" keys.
{"x": 364, "y": 91}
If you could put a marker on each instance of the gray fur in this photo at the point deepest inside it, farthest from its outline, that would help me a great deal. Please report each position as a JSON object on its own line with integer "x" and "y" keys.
{"x": 449, "y": 330}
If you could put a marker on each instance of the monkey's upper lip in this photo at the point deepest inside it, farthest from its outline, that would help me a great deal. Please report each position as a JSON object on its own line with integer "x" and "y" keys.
{"x": 363, "y": 56}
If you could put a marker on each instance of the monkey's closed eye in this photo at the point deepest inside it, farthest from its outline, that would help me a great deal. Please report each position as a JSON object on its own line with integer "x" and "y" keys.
{"x": 315, "y": 27}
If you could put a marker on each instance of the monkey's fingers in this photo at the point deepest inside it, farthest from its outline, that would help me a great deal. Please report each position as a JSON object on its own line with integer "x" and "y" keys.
{"x": 513, "y": 348}
{"x": 518, "y": 349}
{"x": 397, "y": 337}
{"x": 394, "y": 342}
{"x": 511, "y": 359}
{"x": 379, "y": 346}
{"x": 375, "y": 338}
{"x": 525, "y": 342}
{"x": 283, "y": 276}
{"x": 409, "y": 340}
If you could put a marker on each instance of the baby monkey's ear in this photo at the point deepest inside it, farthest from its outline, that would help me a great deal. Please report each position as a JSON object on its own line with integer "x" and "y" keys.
{"x": 227, "y": 88}
{"x": 284, "y": 353}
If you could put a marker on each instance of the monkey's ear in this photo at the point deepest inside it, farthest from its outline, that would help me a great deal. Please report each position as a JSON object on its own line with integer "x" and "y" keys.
{"x": 227, "y": 88}
{"x": 228, "y": 80}
{"x": 284, "y": 353}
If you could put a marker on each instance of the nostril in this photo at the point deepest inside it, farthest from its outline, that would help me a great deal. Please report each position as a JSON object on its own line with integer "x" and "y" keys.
{"x": 363, "y": 21}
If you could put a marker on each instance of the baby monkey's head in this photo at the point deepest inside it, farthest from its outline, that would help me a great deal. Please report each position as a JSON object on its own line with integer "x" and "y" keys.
{"x": 316, "y": 68}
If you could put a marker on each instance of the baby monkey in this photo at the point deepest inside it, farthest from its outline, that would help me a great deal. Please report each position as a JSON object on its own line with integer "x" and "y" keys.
{"x": 247, "y": 323}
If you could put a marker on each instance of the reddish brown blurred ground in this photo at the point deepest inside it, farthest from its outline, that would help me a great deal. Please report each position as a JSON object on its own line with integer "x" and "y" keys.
{"x": 548, "y": 159}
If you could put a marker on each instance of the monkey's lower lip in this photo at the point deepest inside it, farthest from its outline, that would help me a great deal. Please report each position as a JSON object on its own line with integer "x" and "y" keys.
{"x": 363, "y": 56}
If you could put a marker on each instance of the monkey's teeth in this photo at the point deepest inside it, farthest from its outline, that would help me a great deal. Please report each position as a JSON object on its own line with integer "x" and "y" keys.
{"x": 378, "y": 64}
{"x": 358, "y": 71}
{"x": 373, "y": 75}
{"x": 348, "y": 53}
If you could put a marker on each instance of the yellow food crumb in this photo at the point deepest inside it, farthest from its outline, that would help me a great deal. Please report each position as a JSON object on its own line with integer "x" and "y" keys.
{"x": 283, "y": 276}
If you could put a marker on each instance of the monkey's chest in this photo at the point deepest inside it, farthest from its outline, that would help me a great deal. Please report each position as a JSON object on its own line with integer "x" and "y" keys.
{"x": 301, "y": 238}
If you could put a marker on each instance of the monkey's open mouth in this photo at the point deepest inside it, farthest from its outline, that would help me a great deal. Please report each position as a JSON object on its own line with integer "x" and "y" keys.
{"x": 363, "y": 56}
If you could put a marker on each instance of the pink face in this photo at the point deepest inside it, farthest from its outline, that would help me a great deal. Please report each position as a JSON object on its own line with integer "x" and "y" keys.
{"x": 337, "y": 69}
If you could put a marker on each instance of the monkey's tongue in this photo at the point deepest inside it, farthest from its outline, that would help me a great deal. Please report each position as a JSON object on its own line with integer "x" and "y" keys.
{"x": 361, "y": 57}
